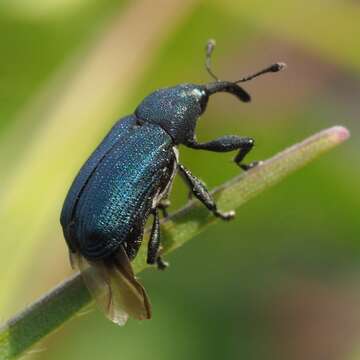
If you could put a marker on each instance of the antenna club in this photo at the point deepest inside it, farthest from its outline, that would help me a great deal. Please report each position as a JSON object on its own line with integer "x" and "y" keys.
{"x": 278, "y": 67}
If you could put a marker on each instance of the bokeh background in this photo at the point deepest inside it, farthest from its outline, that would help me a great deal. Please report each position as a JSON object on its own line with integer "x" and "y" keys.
{"x": 282, "y": 281}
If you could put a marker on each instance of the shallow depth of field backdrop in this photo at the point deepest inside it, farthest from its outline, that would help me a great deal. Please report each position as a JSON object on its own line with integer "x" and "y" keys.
{"x": 282, "y": 281}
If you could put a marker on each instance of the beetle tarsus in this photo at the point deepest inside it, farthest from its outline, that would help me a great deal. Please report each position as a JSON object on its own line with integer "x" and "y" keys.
{"x": 229, "y": 215}
{"x": 161, "y": 264}
{"x": 250, "y": 166}
{"x": 247, "y": 145}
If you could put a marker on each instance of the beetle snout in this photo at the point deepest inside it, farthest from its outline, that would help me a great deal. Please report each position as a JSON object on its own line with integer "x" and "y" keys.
{"x": 229, "y": 87}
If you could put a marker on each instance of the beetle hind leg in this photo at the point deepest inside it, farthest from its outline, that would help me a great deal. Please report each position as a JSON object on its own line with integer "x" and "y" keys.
{"x": 202, "y": 193}
{"x": 153, "y": 256}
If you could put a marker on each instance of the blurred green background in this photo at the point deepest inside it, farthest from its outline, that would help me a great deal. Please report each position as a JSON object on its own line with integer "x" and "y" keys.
{"x": 279, "y": 282}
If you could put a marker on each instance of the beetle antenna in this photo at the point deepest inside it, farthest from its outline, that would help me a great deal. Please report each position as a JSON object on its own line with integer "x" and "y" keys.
{"x": 209, "y": 50}
{"x": 272, "y": 68}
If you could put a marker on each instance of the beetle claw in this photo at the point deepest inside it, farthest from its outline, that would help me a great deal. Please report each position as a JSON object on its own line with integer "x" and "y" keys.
{"x": 229, "y": 215}
{"x": 253, "y": 164}
{"x": 161, "y": 264}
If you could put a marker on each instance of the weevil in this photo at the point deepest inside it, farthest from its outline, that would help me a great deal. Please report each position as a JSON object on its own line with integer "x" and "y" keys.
{"x": 127, "y": 179}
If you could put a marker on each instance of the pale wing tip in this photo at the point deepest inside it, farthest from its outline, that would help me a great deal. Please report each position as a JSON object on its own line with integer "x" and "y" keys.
{"x": 118, "y": 319}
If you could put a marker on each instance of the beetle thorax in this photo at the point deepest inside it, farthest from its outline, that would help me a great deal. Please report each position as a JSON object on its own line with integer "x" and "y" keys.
{"x": 175, "y": 109}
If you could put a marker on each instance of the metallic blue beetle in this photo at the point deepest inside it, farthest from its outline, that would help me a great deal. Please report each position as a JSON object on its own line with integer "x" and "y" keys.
{"x": 128, "y": 177}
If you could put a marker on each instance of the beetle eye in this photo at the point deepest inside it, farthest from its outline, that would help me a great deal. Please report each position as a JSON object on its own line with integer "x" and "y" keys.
{"x": 203, "y": 102}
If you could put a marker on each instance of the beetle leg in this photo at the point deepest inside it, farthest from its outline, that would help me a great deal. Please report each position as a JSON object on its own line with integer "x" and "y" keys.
{"x": 228, "y": 143}
{"x": 201, "y": 192}
{"x": 154, "y": 241}
{"x": 154, "y": 244}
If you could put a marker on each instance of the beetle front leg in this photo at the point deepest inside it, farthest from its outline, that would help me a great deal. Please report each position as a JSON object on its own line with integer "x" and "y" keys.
{"x": 154, "y": 244}
{"x": 202, "y": 193}
{"x": 228, "y": 143}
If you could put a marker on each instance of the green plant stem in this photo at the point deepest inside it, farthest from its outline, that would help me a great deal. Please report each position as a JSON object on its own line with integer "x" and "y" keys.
{"x": 64, "y": 301}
